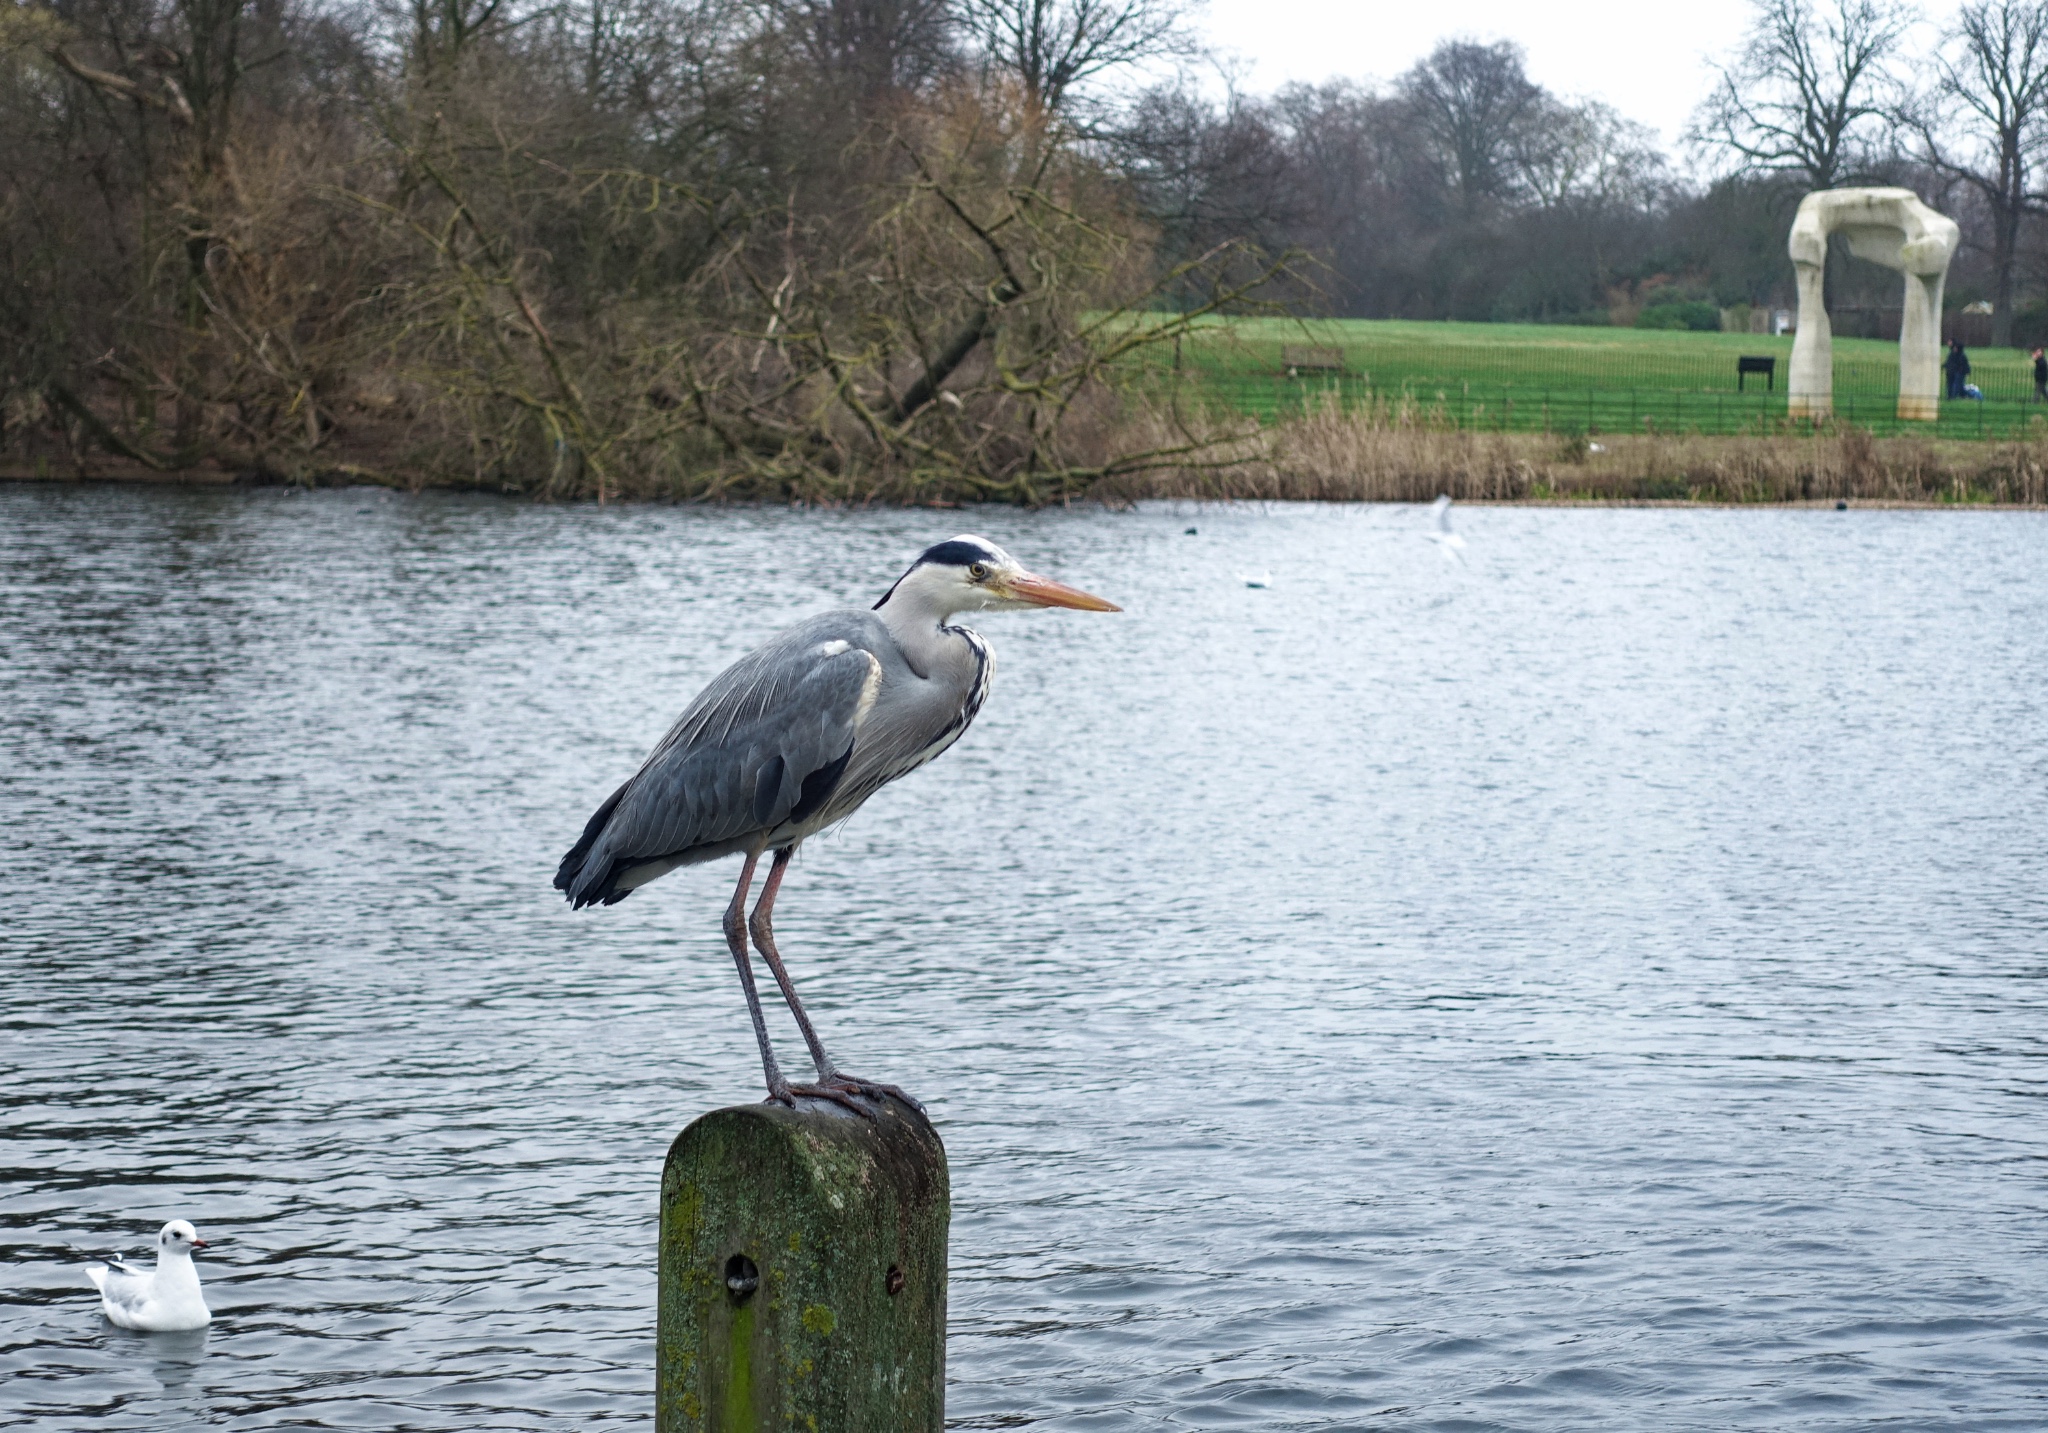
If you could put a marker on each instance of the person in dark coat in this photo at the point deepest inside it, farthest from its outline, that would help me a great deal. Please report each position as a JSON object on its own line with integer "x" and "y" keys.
{"x": 2040, "y": 375}
{"x": 1957, "y": 366}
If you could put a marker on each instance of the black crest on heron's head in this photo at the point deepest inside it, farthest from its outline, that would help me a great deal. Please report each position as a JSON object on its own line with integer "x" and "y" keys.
{"x": 954, "y": 552}
{"x": 957, "y": 552}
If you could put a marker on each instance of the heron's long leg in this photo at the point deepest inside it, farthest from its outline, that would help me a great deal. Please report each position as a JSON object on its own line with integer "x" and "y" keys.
{"x": 736, "y": 937}
{"x": 763, "y": 927}
{"x": 779, "y": 1089}
{"x": 832, "y": 1084}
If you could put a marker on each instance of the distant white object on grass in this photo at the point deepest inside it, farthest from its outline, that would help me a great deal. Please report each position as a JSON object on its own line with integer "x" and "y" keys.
{"x": 1256, "y": 579}
{"x": 1449, "y": 543}
{"x": 1596, "y": 447}
{"x": 165, "y": 1299}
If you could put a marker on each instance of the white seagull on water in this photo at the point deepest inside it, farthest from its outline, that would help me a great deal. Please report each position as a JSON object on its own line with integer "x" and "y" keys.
{"x": 165, "y": 1299}
{"x": 1449, "y": 543}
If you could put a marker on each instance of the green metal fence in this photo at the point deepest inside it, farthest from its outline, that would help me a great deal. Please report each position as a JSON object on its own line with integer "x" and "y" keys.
{"x": 1529, "y": 378}
{"x": 1522, "y": 408}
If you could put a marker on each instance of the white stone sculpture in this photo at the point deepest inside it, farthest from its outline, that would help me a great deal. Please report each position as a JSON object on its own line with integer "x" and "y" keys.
{"x": 1886, "y": 226}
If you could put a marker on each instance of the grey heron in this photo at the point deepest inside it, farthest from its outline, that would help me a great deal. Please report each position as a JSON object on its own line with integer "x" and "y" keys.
{"x": 793, "y": 738}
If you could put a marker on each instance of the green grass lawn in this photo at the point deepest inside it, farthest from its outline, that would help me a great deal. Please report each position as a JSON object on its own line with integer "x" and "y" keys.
{"x": 1531, "y": 376}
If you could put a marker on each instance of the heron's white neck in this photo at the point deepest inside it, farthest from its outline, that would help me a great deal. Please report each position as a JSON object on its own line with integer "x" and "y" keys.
{"x": 930, "y": 593}
{"x": 916, "y": 615}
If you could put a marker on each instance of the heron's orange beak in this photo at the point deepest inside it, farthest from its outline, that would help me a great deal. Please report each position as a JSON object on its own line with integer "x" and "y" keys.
{"x": 1044, "y": 592}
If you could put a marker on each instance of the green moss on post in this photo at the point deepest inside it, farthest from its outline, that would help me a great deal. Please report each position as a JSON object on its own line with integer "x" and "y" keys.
{"x": 803, "y": 1273}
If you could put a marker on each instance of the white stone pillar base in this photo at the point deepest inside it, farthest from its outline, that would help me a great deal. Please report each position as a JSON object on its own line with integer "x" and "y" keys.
{"x": 1919, "y": 410}
{"x": 1805, "y": 405}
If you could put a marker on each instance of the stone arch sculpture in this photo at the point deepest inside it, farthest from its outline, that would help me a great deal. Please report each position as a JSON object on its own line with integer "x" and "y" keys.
{"x": 1886, "y": 226}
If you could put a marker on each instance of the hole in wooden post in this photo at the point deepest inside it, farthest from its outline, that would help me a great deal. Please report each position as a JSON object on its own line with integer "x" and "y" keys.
{"x": 893, "y": 1281}
{"x": 741, "y": 1277}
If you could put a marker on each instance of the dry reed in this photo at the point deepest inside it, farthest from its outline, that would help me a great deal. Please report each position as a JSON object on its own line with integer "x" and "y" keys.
{"x": 1371, "y": 453}
{"x": 1405, "y": 453}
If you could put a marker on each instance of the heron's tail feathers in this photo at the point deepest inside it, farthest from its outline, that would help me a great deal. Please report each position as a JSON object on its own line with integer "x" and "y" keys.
{"x": 583, "y": 881}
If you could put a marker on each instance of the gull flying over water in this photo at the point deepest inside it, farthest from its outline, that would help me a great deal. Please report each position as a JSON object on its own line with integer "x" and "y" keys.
{"x": 794, "y": 738}
{"x": 1451, "y": 544}
{"x": 165, "y": 1299}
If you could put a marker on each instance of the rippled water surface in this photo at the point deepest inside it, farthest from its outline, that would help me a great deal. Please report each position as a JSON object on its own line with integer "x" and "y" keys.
{"x": 1601, "y": 986}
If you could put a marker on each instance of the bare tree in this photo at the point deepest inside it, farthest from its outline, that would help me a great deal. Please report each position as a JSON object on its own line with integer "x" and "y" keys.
{"x": 1471, "y": 101}
{"x": 1051, "y": 46}
{"x": 1204, "y": 172}
{"x": 873, "y": 47}
{"x": 1806, "y": 90}
{"x": 1586, "y": 153}
{"x": 1980, "y": 123}
{"x": 445, "y": 30}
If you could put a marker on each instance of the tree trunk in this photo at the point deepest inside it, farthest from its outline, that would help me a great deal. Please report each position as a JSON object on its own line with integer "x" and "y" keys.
{"x": 2005, "y": 225}
{"x": 952, "y": 355}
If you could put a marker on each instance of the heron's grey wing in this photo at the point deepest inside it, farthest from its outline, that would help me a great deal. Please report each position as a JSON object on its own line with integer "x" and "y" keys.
{"x": 765, "y": 742}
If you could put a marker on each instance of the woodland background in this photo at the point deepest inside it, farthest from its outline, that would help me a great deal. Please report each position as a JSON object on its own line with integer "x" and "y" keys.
{"x": 842, "y": 250}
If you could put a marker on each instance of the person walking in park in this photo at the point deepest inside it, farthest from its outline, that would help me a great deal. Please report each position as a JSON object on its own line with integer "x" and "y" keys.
{"x": 1957, "y": 366}
{"x": 2040, "y": 375}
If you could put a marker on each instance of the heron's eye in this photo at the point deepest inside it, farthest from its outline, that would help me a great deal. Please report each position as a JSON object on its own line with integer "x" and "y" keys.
{"x": 979, "y": 572}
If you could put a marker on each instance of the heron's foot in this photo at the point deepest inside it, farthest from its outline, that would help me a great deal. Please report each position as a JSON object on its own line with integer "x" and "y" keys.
{"x": 872, "y": 1089}
{"x": 837, "y": 1093}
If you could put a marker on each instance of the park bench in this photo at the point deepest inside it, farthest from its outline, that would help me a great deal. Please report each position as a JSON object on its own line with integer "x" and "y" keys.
{"x": 1315, "y": 360}
{"x": 1746, "y": 365}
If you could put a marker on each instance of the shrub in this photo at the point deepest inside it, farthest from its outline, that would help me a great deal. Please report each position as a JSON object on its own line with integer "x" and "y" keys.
{"x": 1701, "y": 317}
{"x": 2030, "y": 324}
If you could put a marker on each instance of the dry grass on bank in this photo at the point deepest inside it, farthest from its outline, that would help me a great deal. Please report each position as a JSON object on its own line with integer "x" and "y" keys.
{"x": 1332, "y": 455}
{"x": 1366, "y": 456}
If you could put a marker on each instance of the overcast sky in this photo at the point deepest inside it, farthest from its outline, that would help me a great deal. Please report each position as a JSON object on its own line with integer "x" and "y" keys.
{"x": 1648, "y": 60}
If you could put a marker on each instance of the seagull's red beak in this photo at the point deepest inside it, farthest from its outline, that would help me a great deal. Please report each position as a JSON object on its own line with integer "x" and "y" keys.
{"x": 1044, "y": 592}
{"x": 198, "y": 1243}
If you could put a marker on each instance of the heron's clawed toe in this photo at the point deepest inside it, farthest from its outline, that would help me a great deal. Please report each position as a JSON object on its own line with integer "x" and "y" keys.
{"x": 837, "y": 1092}
{"x": 873, "y": 1089}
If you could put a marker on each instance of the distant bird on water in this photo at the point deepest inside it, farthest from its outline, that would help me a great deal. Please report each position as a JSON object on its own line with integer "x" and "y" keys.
{"x": 165, "y": 1299}
{"x": 794, "y": 738}
{"x": 1449, "y": 543}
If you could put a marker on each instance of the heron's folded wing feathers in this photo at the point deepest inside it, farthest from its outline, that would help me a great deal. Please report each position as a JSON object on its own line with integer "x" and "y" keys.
{"x": 735, "y": 762}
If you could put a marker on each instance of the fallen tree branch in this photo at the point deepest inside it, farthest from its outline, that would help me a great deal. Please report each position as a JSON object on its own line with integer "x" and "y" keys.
{"x": 105, "y": 436}
{"x": 171, "y": 103}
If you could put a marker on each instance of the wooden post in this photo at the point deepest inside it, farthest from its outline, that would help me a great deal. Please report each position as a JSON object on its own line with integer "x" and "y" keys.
{"x": 803, "y": 1273}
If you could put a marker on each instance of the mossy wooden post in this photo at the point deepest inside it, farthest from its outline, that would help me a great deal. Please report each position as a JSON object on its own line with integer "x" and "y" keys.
{"x": 803, "y": 1273}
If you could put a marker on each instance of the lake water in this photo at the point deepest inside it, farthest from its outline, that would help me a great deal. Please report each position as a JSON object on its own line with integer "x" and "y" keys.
{"x": 1600, "y": 986}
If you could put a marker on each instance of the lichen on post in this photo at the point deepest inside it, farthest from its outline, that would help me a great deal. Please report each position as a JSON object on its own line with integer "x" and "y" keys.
{"x": 803, "y": 1273}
